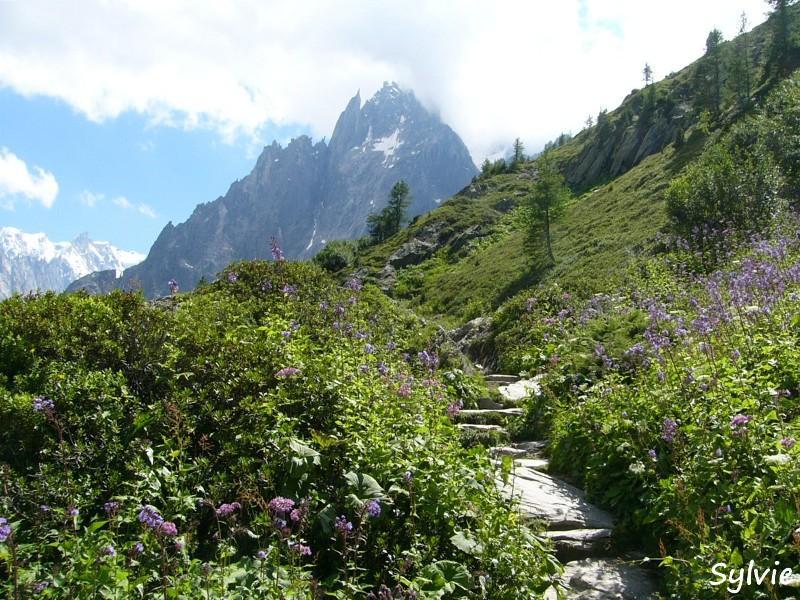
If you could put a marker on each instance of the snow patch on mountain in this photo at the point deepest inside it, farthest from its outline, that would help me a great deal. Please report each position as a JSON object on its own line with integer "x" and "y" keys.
{"x": 31, "y": 262}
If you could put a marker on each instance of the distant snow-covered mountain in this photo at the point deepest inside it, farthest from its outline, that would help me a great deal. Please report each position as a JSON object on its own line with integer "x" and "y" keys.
{"x": 31, "y": 262}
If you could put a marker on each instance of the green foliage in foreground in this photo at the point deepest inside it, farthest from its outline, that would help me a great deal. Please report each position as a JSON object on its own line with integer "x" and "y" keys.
{"x": 675, "y": 403}
{"x": 272, "y": 419}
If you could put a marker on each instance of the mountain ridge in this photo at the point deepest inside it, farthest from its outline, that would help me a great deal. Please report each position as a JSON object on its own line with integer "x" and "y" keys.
{"x": 307, "y": 193}
{"x": 31, "y": 261}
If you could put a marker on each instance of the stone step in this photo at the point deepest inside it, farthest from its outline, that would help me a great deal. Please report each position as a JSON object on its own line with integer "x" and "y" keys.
{"x": 498, "y": 378}
{"x": 516, "y": 392}
{"x": 602, "y": 579}
{"x": 537, "y": 464}
{"x": 520, "y": 450}
{"x": 576, "y": 544}
{"x": 561, "y": 505}
{"x": 481, "y": 427}
{"x": 486, "y": 412}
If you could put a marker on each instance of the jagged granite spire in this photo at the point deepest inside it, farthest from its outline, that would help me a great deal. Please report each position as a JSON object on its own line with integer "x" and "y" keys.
{"x": 307, "y": 194}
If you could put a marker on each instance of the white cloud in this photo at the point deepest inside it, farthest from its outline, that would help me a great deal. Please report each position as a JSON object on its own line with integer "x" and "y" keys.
{"x": 16, "y": 181}
{"x": 494, "y": 71}
{"x": 141, "y": 208}
{"x": 90, "y": 199}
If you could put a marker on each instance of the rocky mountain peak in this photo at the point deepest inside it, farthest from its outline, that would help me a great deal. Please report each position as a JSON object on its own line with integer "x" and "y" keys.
{"x": 307, "y": 193}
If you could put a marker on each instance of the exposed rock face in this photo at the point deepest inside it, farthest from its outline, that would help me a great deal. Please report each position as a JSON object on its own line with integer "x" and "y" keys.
{"x": 30, "y": 262}
{"x": 306, "y": 194}
{"x": 623, "y": 147}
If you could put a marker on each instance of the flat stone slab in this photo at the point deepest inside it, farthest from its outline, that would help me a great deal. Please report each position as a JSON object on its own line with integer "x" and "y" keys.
{"x": 598, "y": 579}
{"x": 480, "y": 427}
{"x": 511, "y": 412}
{"x": 498, "y": 378}
{"x": 537, "y": 464}
{"x": 520, "y": 450}
{"x": 575, "y": 544}
{"x": 560, "y": 504}
{"x": 514, "y": 392}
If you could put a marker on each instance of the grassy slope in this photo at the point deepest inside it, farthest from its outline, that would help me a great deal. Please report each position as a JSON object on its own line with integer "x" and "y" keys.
{"x": 592, "y": 241}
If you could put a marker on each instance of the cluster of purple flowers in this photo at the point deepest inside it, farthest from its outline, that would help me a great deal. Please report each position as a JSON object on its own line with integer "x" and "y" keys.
{"x": 788, "y": 442}
{"x": 343, "y": 526}
{"x": 109, "y": 551}
{"x": 152, "y": 519}
{"x": 384, "y": 593}
{"x": 289, "y": 290}
{"x": 669, "y": 428}
{"x": 5, "y": 530}
{"x": 354, "y": 284}
{"x": 44, "y": 405}
{"x": 277, "y": 253}
{"x": 739, "y": 424}
{"x": 404, "y": 391}
{"x": 455, "y": 408}
{"x": 428, "y": 359}
{"x": 226, "y": 510}
{"x": 374, "y": 509}
{"x": 40, "y": 586}
{"x": 233, "y": 277}
{"x": 300, "y": 549}
{"x": 111, "y": 508}
{"x": 173, "y": 286}
{"x": 287, "y": 372}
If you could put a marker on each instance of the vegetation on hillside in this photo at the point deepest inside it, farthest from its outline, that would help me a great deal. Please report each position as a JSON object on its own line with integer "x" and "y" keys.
{"x": 273, "y": 434}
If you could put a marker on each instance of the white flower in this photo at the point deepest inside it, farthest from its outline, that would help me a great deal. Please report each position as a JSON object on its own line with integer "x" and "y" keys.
{"x": 637, "y": 467}
{"x": 777, "y": 459}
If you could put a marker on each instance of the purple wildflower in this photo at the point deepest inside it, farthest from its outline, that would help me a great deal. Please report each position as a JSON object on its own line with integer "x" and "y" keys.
{"x": 382, "y": 368}
{"x": 277, "y": 253}
{"x": 300, "y": 549}
{"x": 40, "y": 586}
{"x": 289, "y": 290}
{"x": 261, "y": 555}
{"x": 408, "y": 477}
{"x": 72, "y": 511}
{"x": 111, "y": 508}
{"x": 668, "y": 430}
{"x": 109, "y": 551}
{"x": 788, "y": 442}
{"x": 740, "y": 421}
{"x": 150, "y": 517}
{"x": 374, "y": 509}
{"x": 363, "y": 368}
{"x": 354, "y": 283}
{"x": 5, "y": 530}
{"x": 44, "y": 508}
{"x": 455, "y": 408}
{"x": 168, "y": 528}
{"x": 233, "y": 277}
{"x": 404, "y": 391}
{"x": 287, "y": 372}
{"x": 391, "y": 345}
{"x": 369, "y": 349}
{"x": 138, "y": 548}
{"x": 42, "y": 404}
{"x": 280, "y": 505}
{"x": 429, "y": 360}
{"x": 343, "y": 526}
{"x": 226, "y": 510}
{"x": 173, "y": 286}
{"x": 653, "y": 454}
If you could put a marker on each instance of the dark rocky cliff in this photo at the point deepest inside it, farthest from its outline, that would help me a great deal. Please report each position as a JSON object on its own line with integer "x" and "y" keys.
{"x": 306, "y": 194}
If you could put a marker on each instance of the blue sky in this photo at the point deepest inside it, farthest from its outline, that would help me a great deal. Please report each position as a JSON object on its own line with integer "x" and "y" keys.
{"x": 118, "y": 117}
{"x": 162, "y": 171}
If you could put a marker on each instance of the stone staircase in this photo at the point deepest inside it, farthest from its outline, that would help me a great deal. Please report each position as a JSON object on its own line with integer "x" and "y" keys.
{"x": 581, "y": 533}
